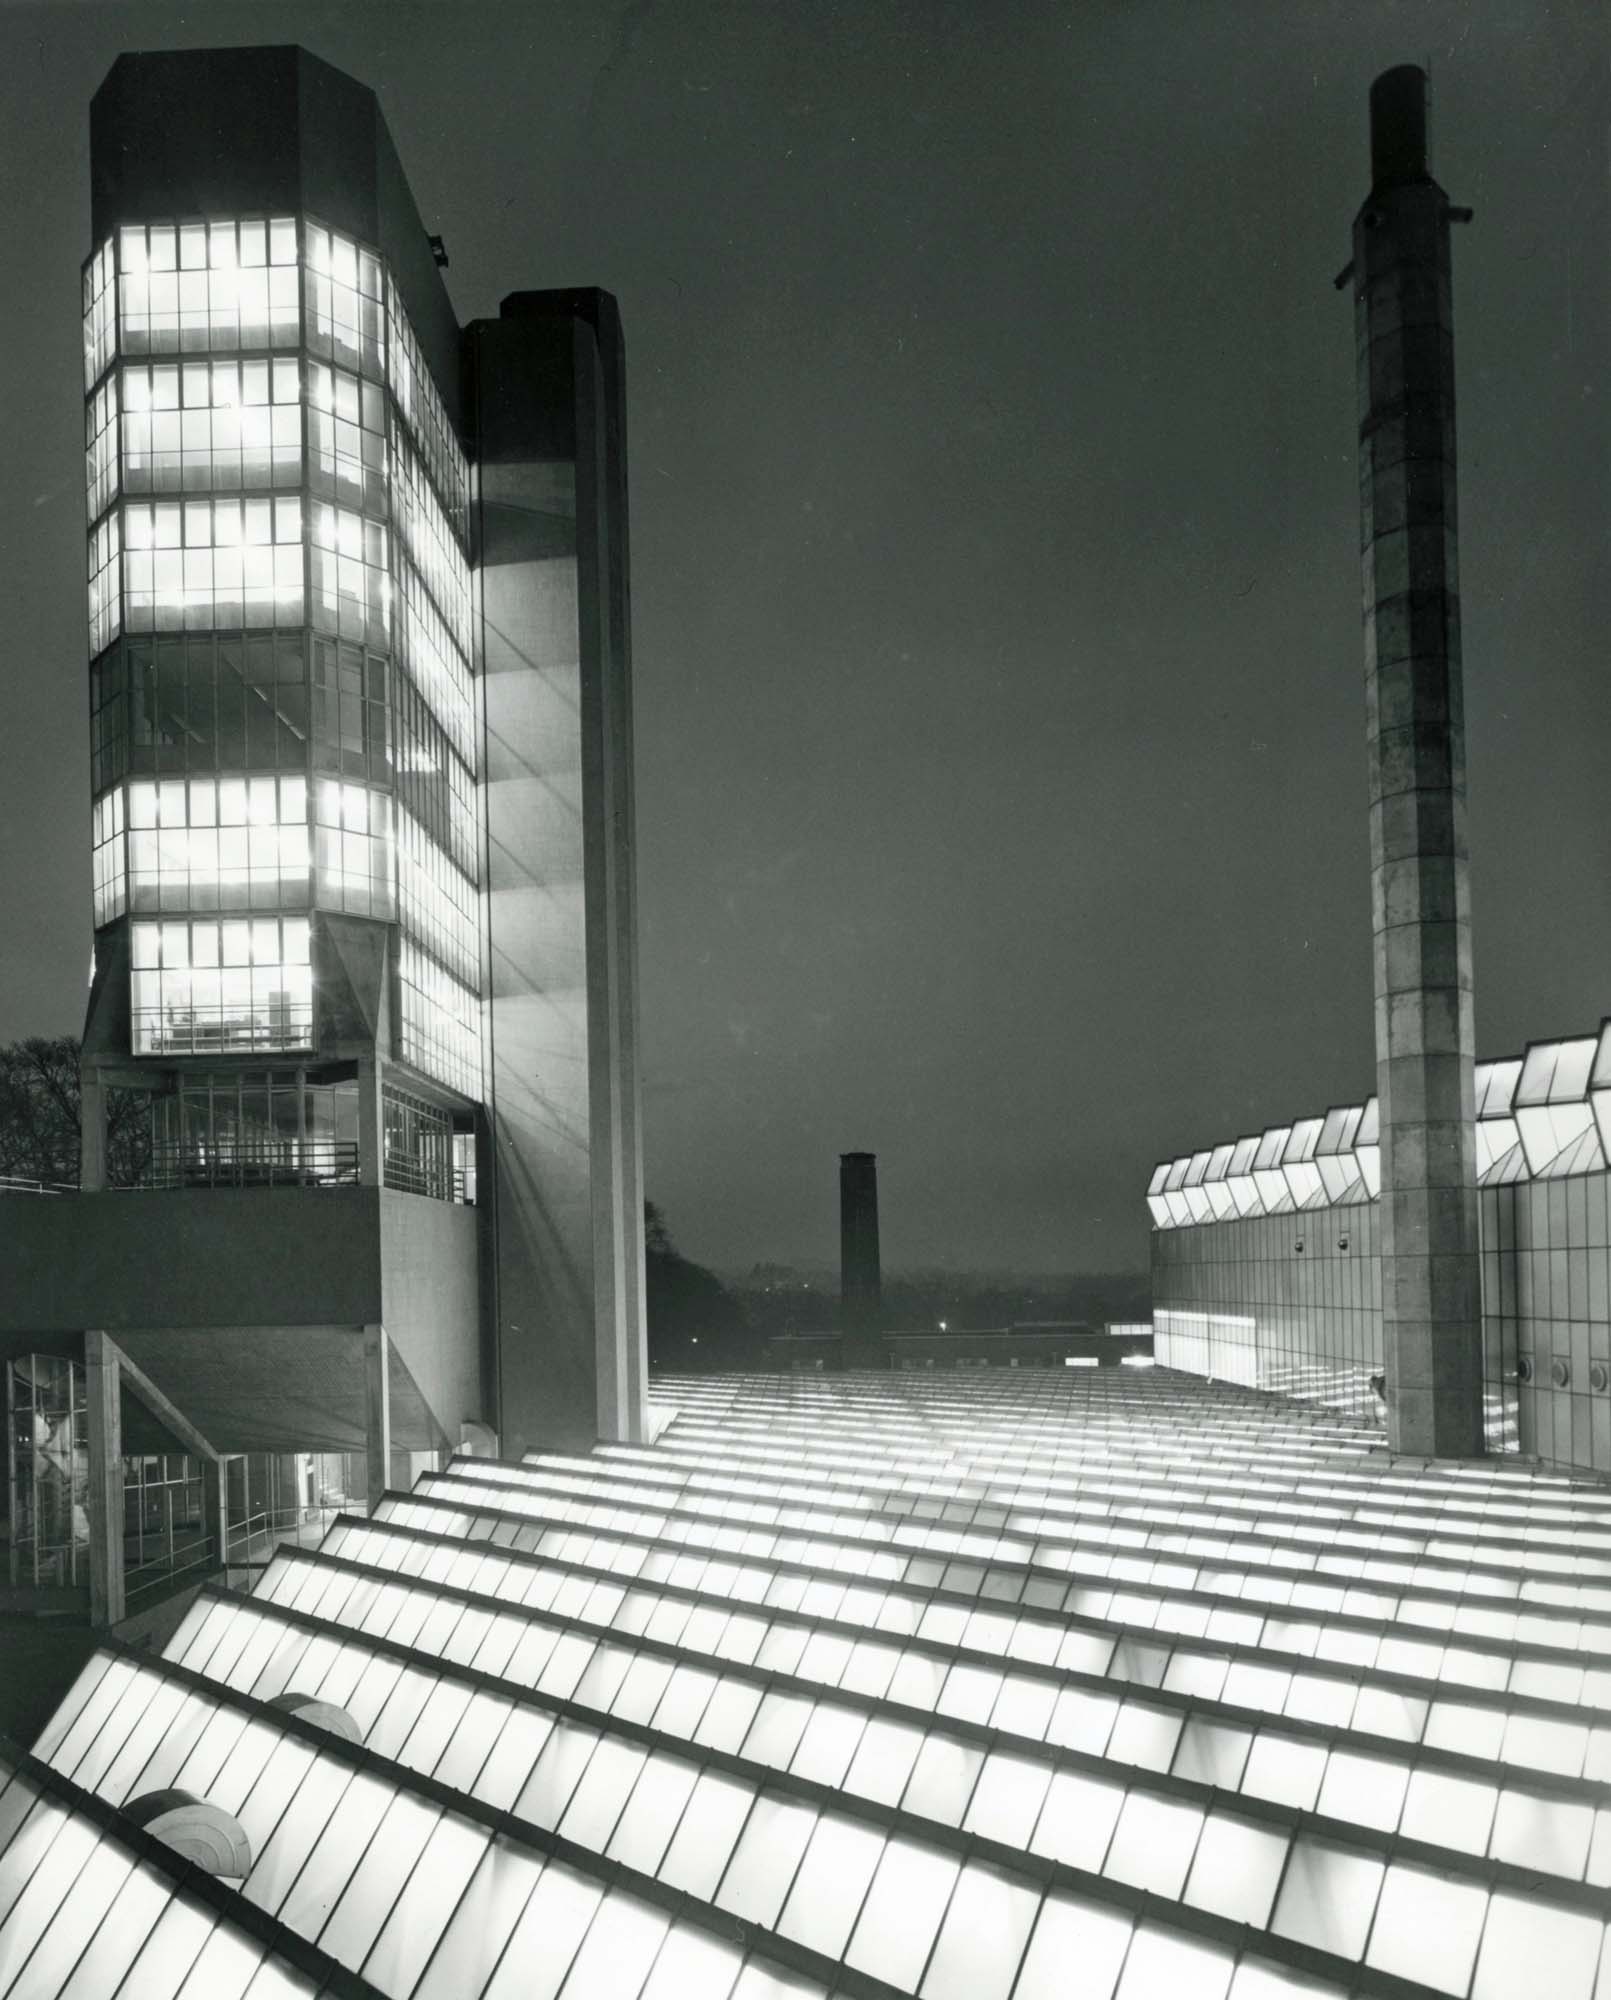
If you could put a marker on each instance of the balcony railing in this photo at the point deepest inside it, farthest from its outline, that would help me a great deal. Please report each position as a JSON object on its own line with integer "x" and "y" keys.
{"x": 298, "y": 1163}
{"x": 409, "y": 1174}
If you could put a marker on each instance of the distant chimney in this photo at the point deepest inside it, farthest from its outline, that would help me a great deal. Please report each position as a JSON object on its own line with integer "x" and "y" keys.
{"x": 861, "y": 1285}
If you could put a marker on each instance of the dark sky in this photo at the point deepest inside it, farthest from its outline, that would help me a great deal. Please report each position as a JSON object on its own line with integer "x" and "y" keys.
{"x": 1001, "y": 767}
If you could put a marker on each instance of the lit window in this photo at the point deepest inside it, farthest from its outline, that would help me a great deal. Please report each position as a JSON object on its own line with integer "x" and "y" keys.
{"x": 241, "y": 983}
{"x": 228, "y": 287}
{"x": 211, "y": 844}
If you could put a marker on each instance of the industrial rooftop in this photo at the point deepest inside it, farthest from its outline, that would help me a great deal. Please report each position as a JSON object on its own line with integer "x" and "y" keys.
{"x": 962, "y": 1686}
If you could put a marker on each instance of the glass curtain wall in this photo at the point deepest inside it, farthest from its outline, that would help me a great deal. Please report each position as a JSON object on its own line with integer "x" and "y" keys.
{"x": 284, "y": 710}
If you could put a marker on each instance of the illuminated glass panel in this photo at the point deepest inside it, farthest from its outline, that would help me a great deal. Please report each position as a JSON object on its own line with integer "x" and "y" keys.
{"x": 100, "y": 447}
{"x": 199, "y": 987}
{"x": 436, "y": 555}
{"x": 440, "y": 1028}
{"x": 199, "y": 426}
{"x": 434, "y": 663}
{"x": 347, "y": 566}
{"x": 222, "y": 286}
{"x": 439, "y": 905}
{"x": 353, "y": 849}
{"x": 99, "y": 326}
{"x": 218, "y": 844}
{"x": 343, "y": 290}
{"x": 425, "y": 416}
{"x": 108, "y": 857}
{"x": 347, "y": 438}
{"x": 105, "y": 583}
{"x": 434, "y": 783}
{"x": 201, "y": 564}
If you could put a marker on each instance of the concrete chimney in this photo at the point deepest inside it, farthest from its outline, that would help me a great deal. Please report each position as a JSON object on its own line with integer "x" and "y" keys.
{"x": 861, "y": 1285}
{"x": 1420, "y": 890}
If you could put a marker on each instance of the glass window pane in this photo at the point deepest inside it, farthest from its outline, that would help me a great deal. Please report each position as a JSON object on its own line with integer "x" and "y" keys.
{"x": 831, "y": 1882}
{"x": 1153, "y": 1844}
{"x": 883, "y": 1760}
{"x": 1369, "y": 1791}
{"x": 693, "y": 1966}
{"x": 704, "y": 1839}
{"x": 1077, "y": 1821}
{"x": 1427, "y": 1927}
{"x": 596, "y": 1805}
{"x": 644, "y": 1830}
{"x": 902, "y": 1912}
{"x": 982, "y": 1939}
{"x": 376, "y": 1882}
{"x": 943, "y": 1779}
{"x": 1284, "y": 1769}
{"x": 546, "y": 1937}
{"x": 1328, "y": 1897}
{"x": 1008, "y": 1798}
{"x": 1163, "y": 1965}
{"x": 1236, "y": 1868}
{"x": 473, "y": 1942}
{"x": 1070, "y": 1931}
{"x": 1529, "y": 1946}
{"x": 618, "y": 1950}
{"x": 763, "y": 1863}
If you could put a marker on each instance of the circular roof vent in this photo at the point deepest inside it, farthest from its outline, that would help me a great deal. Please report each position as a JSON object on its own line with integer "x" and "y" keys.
{"x": 1560, "y": 1374}
{"x": 204, "y": 1834}
{"x": 325, "y": 1713}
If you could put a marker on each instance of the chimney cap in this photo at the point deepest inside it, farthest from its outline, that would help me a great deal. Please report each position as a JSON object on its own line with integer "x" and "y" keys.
{"x": 1400, "y": 126}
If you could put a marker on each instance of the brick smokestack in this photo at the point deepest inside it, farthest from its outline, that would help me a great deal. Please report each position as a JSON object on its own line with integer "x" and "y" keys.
{"x": 861, "y": 1284}
{"x": 1420, "y": 890}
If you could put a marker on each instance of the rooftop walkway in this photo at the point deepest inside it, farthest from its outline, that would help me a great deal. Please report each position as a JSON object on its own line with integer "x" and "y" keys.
{"x": 1098, "y": 1684}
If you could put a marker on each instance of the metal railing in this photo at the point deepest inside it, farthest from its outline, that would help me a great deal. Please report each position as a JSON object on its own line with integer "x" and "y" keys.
{"x": 409, "y": 1174}
{"x": 297, "y": 1163}
{"x": 22, "y": 1184}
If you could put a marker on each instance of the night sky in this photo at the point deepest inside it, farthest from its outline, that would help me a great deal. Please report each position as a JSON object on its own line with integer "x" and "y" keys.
{"x": 1001, "y": 768}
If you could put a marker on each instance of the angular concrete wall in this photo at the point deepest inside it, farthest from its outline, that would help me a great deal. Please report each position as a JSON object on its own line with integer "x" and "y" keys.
{"x": 568, "y": 1183}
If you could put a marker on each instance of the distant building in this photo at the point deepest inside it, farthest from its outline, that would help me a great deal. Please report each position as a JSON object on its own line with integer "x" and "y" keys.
{"x": 362, "y": 812}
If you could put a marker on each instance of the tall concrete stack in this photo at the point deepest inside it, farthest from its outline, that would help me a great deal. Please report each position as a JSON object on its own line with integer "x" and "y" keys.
{"x": 1420, "y": 891}
{"x": 861, "y": 1285}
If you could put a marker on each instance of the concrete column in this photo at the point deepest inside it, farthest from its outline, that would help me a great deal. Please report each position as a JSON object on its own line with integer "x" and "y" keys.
{"x": 861, "y": 1282}
{"x": 104, "y": 1404}
{"x": 1420, "y": 891}
{"x": 371, "y": 1124}
{"x": 92, "y": 1129}
{"x": 377, "y": 1414}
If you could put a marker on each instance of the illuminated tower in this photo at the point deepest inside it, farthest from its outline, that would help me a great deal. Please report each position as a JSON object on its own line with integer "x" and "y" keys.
{"x": 1420, "y": 889}
{"x": 364, "y": 931}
